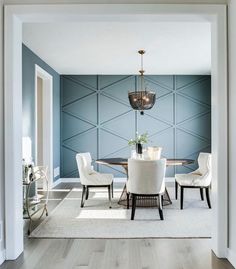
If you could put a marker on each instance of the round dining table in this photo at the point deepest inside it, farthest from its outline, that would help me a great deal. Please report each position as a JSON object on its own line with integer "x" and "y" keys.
{"x": 143, "y": 201}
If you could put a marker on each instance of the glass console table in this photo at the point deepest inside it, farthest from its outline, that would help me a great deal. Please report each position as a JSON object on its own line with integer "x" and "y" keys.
{"x": 35, "y": 195}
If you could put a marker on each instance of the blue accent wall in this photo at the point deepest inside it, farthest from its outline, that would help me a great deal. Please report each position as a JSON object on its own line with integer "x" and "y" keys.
{"x": 96, "y": 117}
{"x": 29, "y": 59}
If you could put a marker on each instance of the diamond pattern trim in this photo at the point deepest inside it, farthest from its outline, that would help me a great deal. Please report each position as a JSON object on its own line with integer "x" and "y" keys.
{"x": 96, "y": 117}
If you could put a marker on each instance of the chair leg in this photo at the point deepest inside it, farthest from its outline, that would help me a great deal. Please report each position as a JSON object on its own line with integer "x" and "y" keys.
{"x": 181, "y": 197}
{"x": 82, "y": 198}
{"x": 127, "y": 200}
{"x": 208, "y": 197}
{"x": 133, "y": 206}
{"x": 160, "y": 206}
{"x": 109, "y": 195}
{"x": 112, "y": 190}
{"x": 201, "y": 194}
{"x": 87, "y": 193}
{"x": 176, "y": 190}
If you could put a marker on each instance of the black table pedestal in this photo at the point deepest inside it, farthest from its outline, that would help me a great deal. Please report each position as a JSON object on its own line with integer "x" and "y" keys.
{"x": 144, "y": 201}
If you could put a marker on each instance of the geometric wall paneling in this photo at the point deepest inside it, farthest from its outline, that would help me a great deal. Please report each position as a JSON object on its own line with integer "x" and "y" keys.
{"x": 80, "y": 109}
{"x": 73, "y": 90}
{"x": 122, "y": 152}
{"x": 123, "y": 125}
{"x": 187, "y": 108}
{"x": 120, "y": 88}
{"x": 118, "y": 170}
{"x": 108, "y": 81}
{"x": 110, "y": 143}
{"x": 73, "y": 126}
{"x": 199, "y": 90}
{"x": 109, "y": 108}
{"x": 146, "y": 123}
{"x": 184, "y": 169}
{"x": 199, "y": 125}
{"x": 165, "y": 140}
{"x": 163, "y": 109}
{"x": 183, "y": 81}
{"x": 89, "y": 81}
{"x": 115, "y": 170}
{"x": 154, "y": 86}
{"x": 68, "y": 163}
{"x": 164, "y": 81}
{"x": 187, "y": 143}
{"x": 84, "y": 142}
{"x": 96, "y": 117}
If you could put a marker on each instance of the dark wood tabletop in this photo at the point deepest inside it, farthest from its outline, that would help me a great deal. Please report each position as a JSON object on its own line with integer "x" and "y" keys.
{"x": 124, "y": 161}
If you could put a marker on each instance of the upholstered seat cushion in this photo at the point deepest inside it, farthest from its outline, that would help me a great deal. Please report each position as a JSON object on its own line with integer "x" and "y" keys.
{"x": 191, "y": 179}
{"x": 143, "y": 189}
{"x": 96, "y": 178}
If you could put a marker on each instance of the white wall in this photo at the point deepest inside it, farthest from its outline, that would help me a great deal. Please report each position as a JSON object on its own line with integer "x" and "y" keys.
{"x": 232, "y": 100}
{"x": 1, "y": 141}
{"x": 232, "y": 131}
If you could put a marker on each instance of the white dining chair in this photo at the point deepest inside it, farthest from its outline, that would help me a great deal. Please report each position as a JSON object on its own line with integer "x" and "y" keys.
{"x": 90, "y": 178}
{"x": 146, "y": 178}
{"x": 200, "y": 178}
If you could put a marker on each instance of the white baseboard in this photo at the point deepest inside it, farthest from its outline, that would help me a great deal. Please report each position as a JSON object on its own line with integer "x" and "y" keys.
{"x": 231, "y": 256}
{"x": 55, "y": 183}
{"x": 2, "y": 256}
{"x": 116, "y": 180}
{"x": 65, "y": 180}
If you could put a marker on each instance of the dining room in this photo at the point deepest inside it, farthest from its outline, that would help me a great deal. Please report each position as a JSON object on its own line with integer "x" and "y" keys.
{"x": 117, "y": 112}
{"x": 65, "y": 214}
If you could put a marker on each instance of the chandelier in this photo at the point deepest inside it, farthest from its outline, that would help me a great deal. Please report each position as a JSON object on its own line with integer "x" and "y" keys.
{"x": 142, "y": 99}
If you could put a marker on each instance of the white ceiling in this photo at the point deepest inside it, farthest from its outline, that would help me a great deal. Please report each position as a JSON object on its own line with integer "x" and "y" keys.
{"x": 111, "y": 47}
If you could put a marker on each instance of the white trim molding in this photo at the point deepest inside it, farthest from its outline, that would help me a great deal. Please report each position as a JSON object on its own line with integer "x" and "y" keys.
{"x": 77, "y": 180}
{"x": 116, "y": 180}
{"x": 231, "y": 256}
{"x": 47, "y": 120}
{"x": 16, "y": 15}
{"x": 2, "y": 256}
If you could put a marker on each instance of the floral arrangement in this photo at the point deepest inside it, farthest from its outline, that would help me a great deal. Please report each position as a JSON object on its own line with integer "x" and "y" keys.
{"x": 140, "y": 139}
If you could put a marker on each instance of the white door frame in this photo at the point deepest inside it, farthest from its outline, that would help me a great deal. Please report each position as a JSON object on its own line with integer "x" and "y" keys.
{"x": 16, "y": 15}
{"x": 47, "y": 120}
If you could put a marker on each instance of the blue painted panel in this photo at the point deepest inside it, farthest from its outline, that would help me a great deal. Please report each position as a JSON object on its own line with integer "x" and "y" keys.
{"x": 123, "y": 126}
{"x": 110, "y": 109}
{"x": 97, "y": 117}
{"x": 76, "y": 91}
{"x": 187, "y": 108}
{"x": 84, "y": 109}
{"x": 119, "y": 89}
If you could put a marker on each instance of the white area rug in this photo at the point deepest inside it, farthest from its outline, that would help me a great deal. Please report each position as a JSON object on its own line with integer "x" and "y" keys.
{"x": 96, "y": 220}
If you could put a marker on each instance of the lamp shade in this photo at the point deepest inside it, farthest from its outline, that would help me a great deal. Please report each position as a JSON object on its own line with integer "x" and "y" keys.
{"x": 142, "y": 100}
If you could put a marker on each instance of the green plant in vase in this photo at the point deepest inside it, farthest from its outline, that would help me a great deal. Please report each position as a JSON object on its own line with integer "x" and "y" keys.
{"x": 139, "y": 141}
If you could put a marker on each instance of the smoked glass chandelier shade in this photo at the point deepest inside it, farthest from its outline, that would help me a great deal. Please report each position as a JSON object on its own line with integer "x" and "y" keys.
{"x": 142, "y": 99}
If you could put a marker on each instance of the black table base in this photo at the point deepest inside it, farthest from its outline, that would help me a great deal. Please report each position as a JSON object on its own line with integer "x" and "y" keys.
{"x": 144, "y": 201}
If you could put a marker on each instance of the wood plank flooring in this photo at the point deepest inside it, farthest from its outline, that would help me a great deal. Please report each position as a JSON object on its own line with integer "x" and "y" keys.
{"x": 110, "y": 253}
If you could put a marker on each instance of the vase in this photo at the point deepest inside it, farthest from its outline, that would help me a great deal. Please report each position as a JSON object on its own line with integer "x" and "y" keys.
{"x": 139, "y": 148}
{"x": 154, "y": 153}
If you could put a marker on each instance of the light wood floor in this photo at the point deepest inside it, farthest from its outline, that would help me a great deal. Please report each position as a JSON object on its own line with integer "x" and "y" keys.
{"x": 109, "y": 254}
